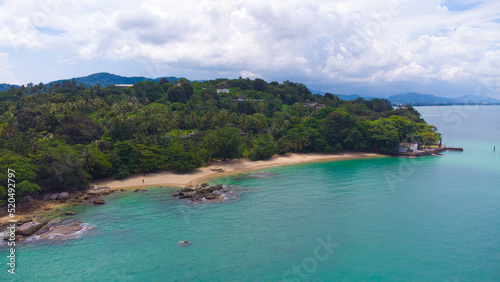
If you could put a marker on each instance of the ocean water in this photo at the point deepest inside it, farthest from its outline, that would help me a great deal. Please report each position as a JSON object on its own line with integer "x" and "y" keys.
{"x": 382, "y": 219}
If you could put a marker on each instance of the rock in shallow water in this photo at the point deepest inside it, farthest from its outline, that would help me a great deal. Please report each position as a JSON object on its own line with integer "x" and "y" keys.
{"x": 99, "y": 202}
{"x": 56, "y": 229}
{"x": 187, "y": 189}
{"x": 62, "y": 232}
{"x": 207, "y": 193}
{"x": 48, "y": 225}
{"x": 29, "y": 228}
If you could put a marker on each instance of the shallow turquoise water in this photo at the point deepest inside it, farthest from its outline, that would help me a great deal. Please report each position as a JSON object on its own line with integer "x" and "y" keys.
{"x": 426, "y": 219}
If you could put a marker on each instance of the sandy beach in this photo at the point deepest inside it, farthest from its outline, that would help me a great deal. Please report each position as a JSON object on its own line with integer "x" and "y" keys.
{"x": 231, "y": 167}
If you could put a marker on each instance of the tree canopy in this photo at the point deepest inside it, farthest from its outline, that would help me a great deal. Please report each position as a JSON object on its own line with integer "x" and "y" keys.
{"x": 63, "y": 136}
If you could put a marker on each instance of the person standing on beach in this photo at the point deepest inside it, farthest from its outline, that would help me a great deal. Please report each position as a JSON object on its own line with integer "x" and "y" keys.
{"x": 143, "y": 181}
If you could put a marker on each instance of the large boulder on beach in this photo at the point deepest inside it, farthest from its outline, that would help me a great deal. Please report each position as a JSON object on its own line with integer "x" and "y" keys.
{"x": 29, "y": 228}
{"x": 53, "y": 197}
{"x": 63, "y": 196}
{"x": 94, "y": 192}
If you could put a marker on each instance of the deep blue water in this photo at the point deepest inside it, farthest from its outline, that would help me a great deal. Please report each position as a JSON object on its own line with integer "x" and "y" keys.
{"x": 395, "y": 219}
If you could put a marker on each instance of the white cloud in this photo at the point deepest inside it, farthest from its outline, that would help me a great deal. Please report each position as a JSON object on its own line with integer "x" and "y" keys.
{"x": 4, "y": 59}
{"x": 5, "y": 73}
{"x": 345, "y": 40}
{"x": 440, "y": 8}
{"x": 248, "y": 74}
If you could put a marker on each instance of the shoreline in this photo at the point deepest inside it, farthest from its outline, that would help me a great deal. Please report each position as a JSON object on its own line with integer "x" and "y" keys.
{"x": 200, "y": 175}
{"x": 231, "y": 167}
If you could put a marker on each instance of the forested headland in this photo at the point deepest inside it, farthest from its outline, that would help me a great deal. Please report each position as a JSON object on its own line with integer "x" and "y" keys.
{"x": 59, "y": 138}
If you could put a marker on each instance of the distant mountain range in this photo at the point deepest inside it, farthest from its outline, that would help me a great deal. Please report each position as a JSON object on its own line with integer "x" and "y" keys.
{"x": 105, "y": 79}
{"x": 4, "y": 86}
{"x": 416, "y": 99}
{"x": 353, "y": 97}
{"x": 428, "y": 99}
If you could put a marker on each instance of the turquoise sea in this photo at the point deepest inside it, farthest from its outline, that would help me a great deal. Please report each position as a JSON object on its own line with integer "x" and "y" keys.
{"x": 384, "y": 219}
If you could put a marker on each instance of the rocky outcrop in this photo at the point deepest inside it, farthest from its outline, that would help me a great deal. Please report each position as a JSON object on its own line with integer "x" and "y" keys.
{"x": 29, "y": 228}
{"x": 62, "y": 232}
{"x": 430, "y": 151}
{"x": 99, "y": 202}
{"x": 103, "y": 190}
{"x": 48, "y": 225}
{"x": 205, "y": 193}
{"x": 63, "y": 196}
{"x": 94, "y": 195}
{"x": 56, "y": 229}
{"x": 140, "y": 190}
{"x": 187, "y": 189}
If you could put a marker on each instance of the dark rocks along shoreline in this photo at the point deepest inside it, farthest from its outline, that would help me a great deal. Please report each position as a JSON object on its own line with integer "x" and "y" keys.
{"x": 206, "y": 193}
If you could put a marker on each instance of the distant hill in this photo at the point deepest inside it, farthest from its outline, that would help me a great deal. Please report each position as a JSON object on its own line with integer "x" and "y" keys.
{"x": 4, "y": 86}
{"x": 416, "y": 98}
{"x": 353, "y": 97}
{"x": 105, "y": 79}
{"x": 428, "y": 99}
{"x": 467, "y": 99}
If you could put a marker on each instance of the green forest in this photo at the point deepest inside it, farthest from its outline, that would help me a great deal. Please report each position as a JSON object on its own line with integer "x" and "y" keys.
{"x": 62, "y": 136}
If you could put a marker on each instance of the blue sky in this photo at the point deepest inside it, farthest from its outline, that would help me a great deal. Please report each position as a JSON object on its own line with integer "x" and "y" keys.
{"x": 446, "y": 48}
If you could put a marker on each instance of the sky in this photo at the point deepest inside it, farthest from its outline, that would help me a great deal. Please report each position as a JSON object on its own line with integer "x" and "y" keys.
{"x": 366, "y": 47}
